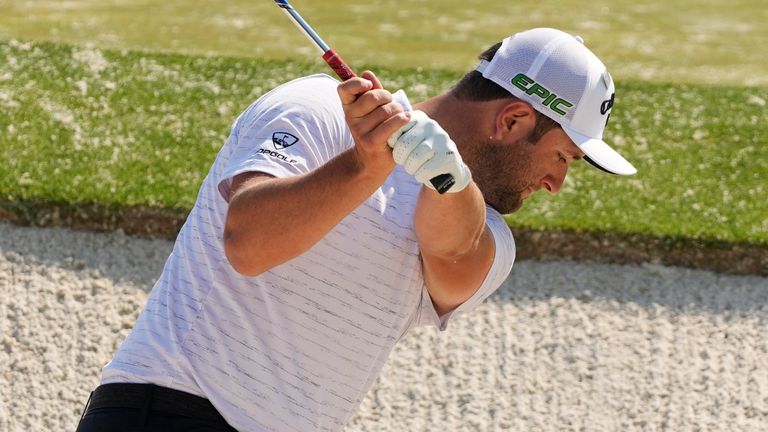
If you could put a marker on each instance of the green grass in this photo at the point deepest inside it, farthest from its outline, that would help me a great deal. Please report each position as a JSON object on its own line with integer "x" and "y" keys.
{"x": 122, "y": 128}
{"x": 680, "y": 41}
{"x": 702, "y": 156}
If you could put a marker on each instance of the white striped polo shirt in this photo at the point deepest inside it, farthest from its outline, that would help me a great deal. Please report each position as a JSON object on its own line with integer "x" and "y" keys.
{"x": 297, "y": 347}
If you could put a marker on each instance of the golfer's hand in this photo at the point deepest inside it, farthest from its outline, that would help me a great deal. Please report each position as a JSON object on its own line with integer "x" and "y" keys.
{"x": 426, "y": 151}
{"x": 372, "y": 117}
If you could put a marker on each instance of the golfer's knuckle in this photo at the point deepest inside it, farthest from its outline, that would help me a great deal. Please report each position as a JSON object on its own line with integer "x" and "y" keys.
{"x": 392, "y": 108}
{"x": 368, "y": 99}
{"x": 345, "y": 91}
{"x": 383, "y": 96}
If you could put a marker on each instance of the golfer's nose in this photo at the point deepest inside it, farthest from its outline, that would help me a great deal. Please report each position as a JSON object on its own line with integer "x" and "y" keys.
{"x": 552, "y": 183}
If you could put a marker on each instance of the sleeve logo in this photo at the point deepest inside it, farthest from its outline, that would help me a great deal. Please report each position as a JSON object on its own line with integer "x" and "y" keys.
{"x": 282, "y": 140}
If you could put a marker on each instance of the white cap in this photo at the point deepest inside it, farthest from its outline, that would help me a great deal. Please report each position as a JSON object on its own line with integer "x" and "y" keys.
{"x": 564, "y": 80}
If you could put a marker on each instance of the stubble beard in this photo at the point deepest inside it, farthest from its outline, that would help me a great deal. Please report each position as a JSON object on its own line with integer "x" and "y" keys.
{"x": 502, "y": 173}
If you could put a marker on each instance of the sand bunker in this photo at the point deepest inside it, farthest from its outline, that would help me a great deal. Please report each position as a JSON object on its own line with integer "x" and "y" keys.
{"x": 561, "y": 346}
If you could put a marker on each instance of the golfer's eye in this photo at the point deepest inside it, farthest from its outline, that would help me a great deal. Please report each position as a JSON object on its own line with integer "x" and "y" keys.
{"x": 562, "y": 158}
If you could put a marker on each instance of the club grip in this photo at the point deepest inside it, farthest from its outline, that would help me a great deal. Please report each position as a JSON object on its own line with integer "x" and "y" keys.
{"x": 336, "y": 63}
{"x": 441, "y": 183}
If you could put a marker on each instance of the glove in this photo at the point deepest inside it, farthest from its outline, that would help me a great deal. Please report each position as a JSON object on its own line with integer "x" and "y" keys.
{"x": 426, "y": 151}
{"x": 401, "y": 98}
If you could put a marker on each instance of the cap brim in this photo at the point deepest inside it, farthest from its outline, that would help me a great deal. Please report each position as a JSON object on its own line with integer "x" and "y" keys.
{"x": 601, "y": 154}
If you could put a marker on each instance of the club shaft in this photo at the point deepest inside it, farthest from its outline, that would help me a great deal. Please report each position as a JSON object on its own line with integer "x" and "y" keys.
{"x": 330, "y": 56}
{"x": 441, "y": 183}
{"x": 303, "y": 26}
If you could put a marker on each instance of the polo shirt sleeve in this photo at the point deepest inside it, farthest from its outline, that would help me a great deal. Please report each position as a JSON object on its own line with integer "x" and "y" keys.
{"x": 497, "y": 274}
{"x": 286, "y": 133}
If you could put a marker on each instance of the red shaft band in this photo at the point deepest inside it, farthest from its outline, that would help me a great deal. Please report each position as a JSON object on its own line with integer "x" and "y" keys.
{"x": 337, "y": 64}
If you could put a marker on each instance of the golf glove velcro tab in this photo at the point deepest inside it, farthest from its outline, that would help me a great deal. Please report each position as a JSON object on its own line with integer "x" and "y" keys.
{"x": 426, "y": 151}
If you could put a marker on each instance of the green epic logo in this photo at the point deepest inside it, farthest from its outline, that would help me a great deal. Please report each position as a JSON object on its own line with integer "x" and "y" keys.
{"x": 550, "y": 99}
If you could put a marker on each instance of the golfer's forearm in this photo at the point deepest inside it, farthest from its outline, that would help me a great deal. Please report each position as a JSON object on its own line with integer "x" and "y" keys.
{"x": 273, "y": 221}
{"x": 451, "y": 225}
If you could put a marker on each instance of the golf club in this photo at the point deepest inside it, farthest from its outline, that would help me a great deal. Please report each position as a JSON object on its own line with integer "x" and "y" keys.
{"x": 442, "y": 182}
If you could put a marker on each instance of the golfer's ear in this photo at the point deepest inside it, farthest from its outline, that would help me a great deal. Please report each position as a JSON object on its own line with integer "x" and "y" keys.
{"x": 514, "y": 120}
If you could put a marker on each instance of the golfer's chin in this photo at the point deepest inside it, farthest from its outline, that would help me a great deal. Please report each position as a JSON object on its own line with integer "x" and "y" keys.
{"x": 509, "y": 204}
{"x": 517, "y": 206}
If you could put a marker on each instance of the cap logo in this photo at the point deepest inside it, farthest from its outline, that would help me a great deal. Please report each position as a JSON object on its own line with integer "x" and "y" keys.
{"x": 607, "y": 104}
{"x": 532, "y": 88}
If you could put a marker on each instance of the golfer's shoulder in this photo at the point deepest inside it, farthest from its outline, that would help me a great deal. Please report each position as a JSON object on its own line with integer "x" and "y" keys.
{"x": 307, "y": 95}
{"x": 312, "y": 86}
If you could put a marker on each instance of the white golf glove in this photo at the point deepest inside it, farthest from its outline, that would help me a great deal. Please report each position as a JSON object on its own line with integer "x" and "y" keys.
{"x": 426, "y": 151}
{"x": 401, "y": 98}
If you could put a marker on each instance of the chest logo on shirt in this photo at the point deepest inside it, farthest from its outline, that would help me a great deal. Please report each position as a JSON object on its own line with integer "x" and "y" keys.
{"x": 282, "y": 140}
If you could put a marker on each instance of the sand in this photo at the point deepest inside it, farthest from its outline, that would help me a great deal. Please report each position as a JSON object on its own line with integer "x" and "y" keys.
{"x": 562, "y": 346}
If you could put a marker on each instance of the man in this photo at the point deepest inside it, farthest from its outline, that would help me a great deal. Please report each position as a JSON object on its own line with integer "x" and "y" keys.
{"x": 317, "y": 240}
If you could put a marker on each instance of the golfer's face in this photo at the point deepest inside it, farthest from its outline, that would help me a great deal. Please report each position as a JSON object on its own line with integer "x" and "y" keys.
{"x": 551, "y": 157}
{"x": 508, "y": 173}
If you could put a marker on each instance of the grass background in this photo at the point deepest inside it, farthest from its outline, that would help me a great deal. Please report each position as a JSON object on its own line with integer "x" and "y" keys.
{"x": 100, "y": 117}
{"x": 681, "y": 41}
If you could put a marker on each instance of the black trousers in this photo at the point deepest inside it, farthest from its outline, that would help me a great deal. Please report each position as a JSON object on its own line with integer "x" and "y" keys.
{"x": 148, "y": 408}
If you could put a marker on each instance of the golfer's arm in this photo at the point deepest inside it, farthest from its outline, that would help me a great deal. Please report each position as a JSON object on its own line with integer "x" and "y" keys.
{"x": 457, "y": 247}
{"x": 272, "y": 220}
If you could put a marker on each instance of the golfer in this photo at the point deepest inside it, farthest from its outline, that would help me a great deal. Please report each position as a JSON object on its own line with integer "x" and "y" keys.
{"x": 317, "y": 240}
